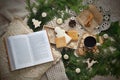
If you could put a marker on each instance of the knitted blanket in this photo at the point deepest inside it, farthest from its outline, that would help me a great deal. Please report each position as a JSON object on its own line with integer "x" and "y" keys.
{"x": 32, "y": 73}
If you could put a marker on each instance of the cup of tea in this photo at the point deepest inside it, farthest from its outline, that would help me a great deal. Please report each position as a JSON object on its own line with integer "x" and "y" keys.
{"x": 89, "y": 42}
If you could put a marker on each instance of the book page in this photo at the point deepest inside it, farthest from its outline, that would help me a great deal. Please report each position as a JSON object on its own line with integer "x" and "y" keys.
{"x": 40, "y": 47}
{"x": 20, "y": 50}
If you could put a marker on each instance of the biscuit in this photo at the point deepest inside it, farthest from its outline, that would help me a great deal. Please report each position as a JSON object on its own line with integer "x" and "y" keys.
{"x": 73, "y": 34}
{"x": 60, "y": 42}
{"x": 80, "y": 51}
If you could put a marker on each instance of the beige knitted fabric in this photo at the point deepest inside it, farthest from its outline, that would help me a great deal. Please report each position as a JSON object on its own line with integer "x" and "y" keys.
{"x": 32, "y": 73}
{"x": 57, "y": 72}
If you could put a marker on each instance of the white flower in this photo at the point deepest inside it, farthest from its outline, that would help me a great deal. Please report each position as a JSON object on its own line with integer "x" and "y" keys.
{"x": 77, "y": 70}
{"x": 105, "y": 36}
{"x": 59, "y": 21}
{"x": 44, "y": 14}
{"x": 36, "y": 23}
{"x": 66, "y": 56}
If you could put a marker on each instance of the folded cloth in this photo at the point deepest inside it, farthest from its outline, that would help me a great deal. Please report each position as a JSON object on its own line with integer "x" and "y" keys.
{"x": 3, "y": 24}
{"x": 13, "y": 8}
{"x": 16, "y": 27}
{"x": 9, "y": 9}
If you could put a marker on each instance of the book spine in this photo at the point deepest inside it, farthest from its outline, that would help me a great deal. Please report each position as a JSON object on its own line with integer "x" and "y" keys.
{"x": 8, "y": 51}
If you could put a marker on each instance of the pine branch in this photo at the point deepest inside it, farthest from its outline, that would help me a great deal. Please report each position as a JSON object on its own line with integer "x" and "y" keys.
{"x": 108, "y": 62}
{"x": 53, "y": 8}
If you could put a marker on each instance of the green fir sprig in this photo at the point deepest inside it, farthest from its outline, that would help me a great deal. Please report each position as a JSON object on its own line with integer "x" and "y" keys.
{"x": 108, "y": 61}
{"x": 53, "y": 8}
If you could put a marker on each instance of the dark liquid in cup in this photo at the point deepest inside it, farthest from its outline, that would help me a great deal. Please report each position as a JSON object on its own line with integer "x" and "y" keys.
{"x": 90, "y": 42}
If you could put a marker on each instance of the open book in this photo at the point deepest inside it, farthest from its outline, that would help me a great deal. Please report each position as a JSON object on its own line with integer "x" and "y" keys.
{"x": 28, "y": 50}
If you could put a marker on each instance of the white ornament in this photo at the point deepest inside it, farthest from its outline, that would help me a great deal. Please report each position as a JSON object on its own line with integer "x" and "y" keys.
{"x": 77, "y": 70}
{"x": 59, "y": 21}
{"x": 90, "y": 64}
{"x": 44, "y": 14}
{"x": 36, "y": 23}
{"x": 105, "y": 36}
{"x": 66, "y": 56}
{"x": 60, "y": 33}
